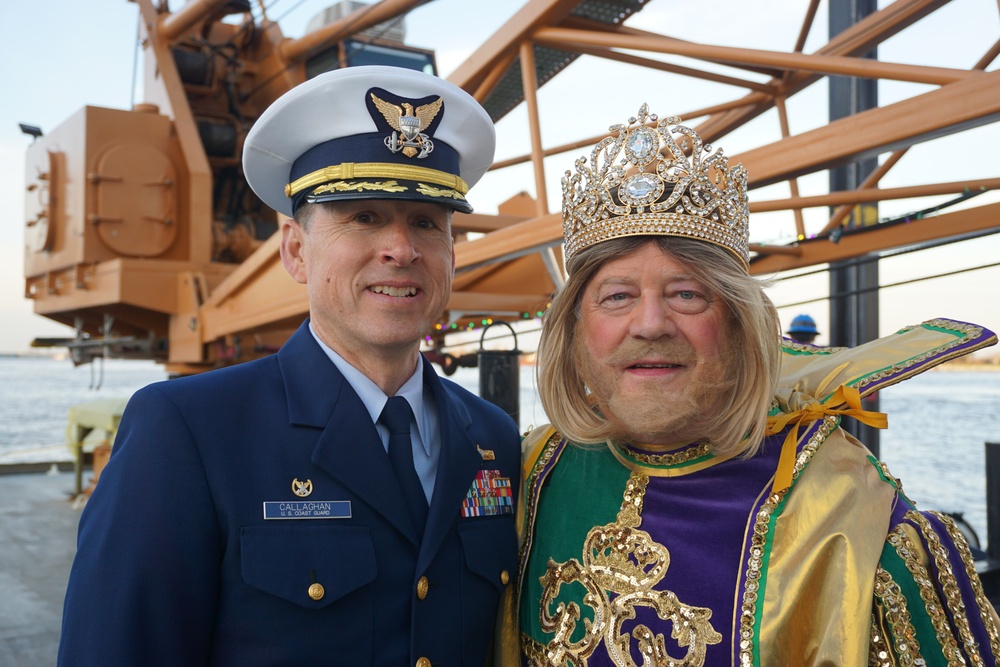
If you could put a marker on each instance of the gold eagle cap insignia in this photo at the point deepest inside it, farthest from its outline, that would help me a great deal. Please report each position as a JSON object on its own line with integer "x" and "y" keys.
{"x": 409, "y": 123}
{"x": 392, "y": 113}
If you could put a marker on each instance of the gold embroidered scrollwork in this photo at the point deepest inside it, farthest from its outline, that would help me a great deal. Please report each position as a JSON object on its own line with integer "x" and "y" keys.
{"x": 620, "y": 568}
{"x": 425, "y": 189}
{"x": 360, "y": 186}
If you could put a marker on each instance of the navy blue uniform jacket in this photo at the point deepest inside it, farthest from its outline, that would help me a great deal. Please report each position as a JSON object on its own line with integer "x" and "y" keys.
{"x": 177, "y": 566}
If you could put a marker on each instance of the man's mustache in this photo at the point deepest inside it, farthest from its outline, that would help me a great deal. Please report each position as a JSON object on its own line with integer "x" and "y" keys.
{"x": 631, "y": 352}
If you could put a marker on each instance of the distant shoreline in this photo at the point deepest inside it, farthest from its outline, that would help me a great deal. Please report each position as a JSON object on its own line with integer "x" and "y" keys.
{"x": 967, "y": 366}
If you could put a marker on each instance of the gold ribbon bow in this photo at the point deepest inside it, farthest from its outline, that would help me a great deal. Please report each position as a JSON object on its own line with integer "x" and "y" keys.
{"x": 846, "y": 400}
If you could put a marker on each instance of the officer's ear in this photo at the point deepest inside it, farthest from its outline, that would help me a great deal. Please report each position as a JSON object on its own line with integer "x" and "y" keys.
{"x": 292, "y": 249}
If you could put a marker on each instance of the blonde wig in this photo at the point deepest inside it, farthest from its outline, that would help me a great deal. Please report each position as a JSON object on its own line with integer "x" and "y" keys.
{"x": 753, "y": 333}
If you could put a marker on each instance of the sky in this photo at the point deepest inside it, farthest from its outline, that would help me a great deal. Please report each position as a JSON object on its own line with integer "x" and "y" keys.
{"x": 64, "y": 54}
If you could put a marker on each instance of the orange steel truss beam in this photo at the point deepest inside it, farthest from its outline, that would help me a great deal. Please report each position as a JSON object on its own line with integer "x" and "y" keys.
{"x": 859, "y": 39}
{"x": 649, "y": 63}
{"x": 806, "y": 26}
{"x": 957, "y": 107}
{"x": 530, "y": 86}
{"x": 793, "y": 184}
{"x": 871, "y": 181}
{"x": 882, "y": 237}
{"x": 469, "y": 75}
{"x": 863, "y": 195}
{"x": 821, "y": 64}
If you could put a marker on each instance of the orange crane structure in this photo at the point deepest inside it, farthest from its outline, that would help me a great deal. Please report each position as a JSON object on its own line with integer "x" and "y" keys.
{"x": 142, "y": 234}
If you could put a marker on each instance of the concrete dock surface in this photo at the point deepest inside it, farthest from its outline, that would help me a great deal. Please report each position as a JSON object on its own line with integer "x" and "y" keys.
{"x": 38, "y": 521}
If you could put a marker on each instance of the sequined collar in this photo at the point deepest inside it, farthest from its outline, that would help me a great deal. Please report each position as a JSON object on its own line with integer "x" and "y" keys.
{"x": 675, "y": 463}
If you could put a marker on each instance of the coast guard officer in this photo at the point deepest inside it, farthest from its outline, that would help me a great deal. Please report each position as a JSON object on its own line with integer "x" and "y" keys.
{"x": 277, "y": 512}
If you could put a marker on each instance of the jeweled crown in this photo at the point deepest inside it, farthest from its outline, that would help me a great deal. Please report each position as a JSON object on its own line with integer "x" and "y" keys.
{"x": 642, "y": 181}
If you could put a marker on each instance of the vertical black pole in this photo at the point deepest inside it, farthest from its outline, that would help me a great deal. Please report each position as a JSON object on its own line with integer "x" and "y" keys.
{"x": 853, "y": 299}
{"x": 993, "y": 501}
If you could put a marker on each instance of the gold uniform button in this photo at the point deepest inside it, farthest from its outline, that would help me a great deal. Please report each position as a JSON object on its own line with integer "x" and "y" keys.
{"x": 504, "y": 577}
{"x": 422, "y": 586}
{"x": 423, "y": 662}
{"x": 316, "y": 591}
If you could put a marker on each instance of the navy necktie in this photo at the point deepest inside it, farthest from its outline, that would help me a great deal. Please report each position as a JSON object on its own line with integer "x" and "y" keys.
{"x": 396, "y": 417}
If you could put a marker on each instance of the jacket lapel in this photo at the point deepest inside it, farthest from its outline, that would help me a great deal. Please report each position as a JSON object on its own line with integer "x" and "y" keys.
{"x": 457, "y": 467}
{"x": 349, "y": 448}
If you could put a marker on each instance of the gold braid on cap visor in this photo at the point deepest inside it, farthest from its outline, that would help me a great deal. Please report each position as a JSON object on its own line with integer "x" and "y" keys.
{"x": 349, "y": 170}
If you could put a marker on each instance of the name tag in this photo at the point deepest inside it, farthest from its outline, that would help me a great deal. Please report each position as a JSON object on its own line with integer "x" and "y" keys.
{"x": 313, "y": 509}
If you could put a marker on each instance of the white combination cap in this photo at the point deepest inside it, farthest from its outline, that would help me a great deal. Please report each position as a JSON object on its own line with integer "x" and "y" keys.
{"x": 371, "y": 132}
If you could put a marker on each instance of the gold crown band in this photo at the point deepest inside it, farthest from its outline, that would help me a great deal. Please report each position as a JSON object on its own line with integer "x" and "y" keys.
{"x": 349, "y": 170}
{"x": 657, "y": 224}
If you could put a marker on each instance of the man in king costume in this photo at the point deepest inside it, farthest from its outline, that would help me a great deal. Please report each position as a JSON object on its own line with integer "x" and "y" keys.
{"x": 695, "y": 500}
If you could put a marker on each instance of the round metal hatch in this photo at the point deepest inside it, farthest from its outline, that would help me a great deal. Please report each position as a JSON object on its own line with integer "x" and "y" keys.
{"x": 135, "y": 200}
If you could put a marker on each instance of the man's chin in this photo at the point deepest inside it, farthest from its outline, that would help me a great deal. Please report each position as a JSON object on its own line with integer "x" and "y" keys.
{"x": 650, "y": 419}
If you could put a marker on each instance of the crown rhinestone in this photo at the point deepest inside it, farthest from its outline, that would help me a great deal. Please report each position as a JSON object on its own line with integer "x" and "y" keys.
{"x": 642, "y": 188}
{"x": 655, "y": 177}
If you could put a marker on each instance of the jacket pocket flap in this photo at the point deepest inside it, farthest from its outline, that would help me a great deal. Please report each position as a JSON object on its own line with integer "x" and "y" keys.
{"x": 490, "y": 547}
{"x": 287, "y": 560}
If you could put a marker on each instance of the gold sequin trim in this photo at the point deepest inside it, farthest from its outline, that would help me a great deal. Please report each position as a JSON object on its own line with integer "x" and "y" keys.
{"x": 531, "y": 504}
{"x": 977, "y": 586}
{"x": 889, "y": 477}
{"x": 878, "y": 646}
{"x": 811, "y": 350}
{"x": 534, "y": 652}
{"x": 952, "y": 594}
{"x": 932, "y": 603}
{"x": 892, "y": 602}
{"x": 761, "y": 527}
{"x": 884, "y": 469}
{"x": 672, "y": 458}
{"x": 620, "y": 568}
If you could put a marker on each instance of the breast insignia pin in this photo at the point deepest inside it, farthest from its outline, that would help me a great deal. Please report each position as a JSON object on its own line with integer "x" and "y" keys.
{"x": 302, "y": 489}
{"x": 487, "y": 454}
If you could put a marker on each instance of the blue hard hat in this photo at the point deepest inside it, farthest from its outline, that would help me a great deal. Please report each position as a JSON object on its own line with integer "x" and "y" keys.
{"x": 802, "y": 324}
